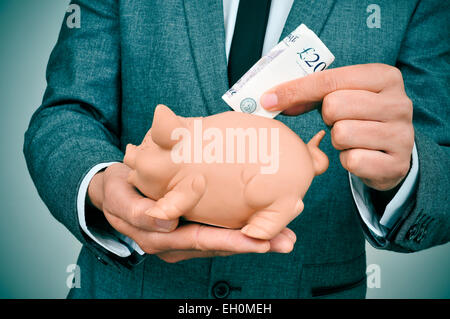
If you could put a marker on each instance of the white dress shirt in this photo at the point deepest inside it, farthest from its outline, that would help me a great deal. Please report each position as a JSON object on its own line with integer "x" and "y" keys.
{"x": 123, "y": 246}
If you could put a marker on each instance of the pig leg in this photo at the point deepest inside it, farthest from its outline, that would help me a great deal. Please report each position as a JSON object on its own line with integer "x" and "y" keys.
{"x": 180, "y": 199}
{"x": 270, "y": 221}
{"x": 272, "y": 213}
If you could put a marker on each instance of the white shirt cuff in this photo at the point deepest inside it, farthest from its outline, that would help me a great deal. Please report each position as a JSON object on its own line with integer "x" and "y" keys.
{"x": 106, "y": 239}
{"x": 395, "y": 208}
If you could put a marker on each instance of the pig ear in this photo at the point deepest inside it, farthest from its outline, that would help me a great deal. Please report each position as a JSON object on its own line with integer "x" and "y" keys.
{"x": 320, "y": 160}
{"x": 164, "y": 122}
{"x": 130, "y": 156}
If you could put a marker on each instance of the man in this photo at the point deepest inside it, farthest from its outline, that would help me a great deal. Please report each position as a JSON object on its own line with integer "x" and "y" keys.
{"x": 385, "y": 101}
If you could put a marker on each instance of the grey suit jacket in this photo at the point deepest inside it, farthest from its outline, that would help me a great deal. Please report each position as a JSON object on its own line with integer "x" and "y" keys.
{"x": 105, "y": 79}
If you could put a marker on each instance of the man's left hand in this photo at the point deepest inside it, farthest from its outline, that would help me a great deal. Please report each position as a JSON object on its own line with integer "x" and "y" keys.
{"x": 370, "y": 115}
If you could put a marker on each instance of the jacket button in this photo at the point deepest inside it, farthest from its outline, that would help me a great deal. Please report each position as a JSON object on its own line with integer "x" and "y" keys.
{"x": 221, "y": 290}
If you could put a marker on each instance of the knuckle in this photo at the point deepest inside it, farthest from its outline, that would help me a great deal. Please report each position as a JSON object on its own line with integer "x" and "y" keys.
{"x": 381, "y": 185}
{"x": 338, "y": 135}
{"x": 119, "y": 225}
{"x": 327, "y": 83}
{"x": 140, "y": 206}
{"x": 145, "y": 246}
{"x": 110, "y": 196}
{"x": 352, "y": 161}
{"x": 108, "y": 190}
{"x": 394, "y": 74}
{"x": 329, "y": 109}
{"x": 403, "y": 169}
{"x": 136, "y": 210}
{"x": 170, "y": 259}
{"x": 406, "y": 108}
{"x": 404, "y": 135}
{"x": 289, "y": 248}
{"x": 408, "y": 103}
{"x": 409, "y": 137}
{"x": 110, "y": 170}
{"x": 133, "y": 213}
{"x": 106, "y": 207}
{"x": 288, "y": 94}
{"x": 196, "y": 239}
{"x": 112, "y": 220}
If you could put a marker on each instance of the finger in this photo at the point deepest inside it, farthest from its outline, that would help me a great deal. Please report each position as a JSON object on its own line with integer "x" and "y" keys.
{"x": 137, "y": 234}
{"x": 354, "y": 105}
{"x": 206, "y": 238}
{"x": 283, "y": 242}
{"x": 377, "y": 168}
{"x": 371, "y": 135}
{"x": 153, "y": 244}
{"x": 180, "y": 255}
{"x": 300, "y": 109}
{"x": 124, "y": 201}
{"x": 300, "y": 93}
{"x": 146, "y": 241}
{"x": 365, "y": 105}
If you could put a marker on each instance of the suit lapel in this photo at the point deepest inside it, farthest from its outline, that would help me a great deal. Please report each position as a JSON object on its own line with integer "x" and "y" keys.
{"x": 311, "y": 13}
{"x": 206, "y": 30}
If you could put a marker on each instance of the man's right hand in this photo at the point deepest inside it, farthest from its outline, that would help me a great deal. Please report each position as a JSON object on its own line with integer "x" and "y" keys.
{"x": 125, "y": 209}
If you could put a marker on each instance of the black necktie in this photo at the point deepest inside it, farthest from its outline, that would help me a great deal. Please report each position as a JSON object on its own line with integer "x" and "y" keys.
{"x": 248, "y": 37}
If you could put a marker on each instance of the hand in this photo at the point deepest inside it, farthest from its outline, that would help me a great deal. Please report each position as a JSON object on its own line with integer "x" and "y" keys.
{"x": 125, "y": 209}
{"x": 370, "y": 115}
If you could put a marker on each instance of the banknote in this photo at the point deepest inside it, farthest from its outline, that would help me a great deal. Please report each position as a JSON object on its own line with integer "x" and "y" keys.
{"x": 299, "y": 54}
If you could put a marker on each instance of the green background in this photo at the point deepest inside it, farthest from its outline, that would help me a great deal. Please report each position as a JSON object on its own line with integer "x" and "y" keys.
{"x": 35, "y": 249}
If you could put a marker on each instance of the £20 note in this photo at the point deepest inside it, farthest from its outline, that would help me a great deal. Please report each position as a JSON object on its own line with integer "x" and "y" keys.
{"x": 299, "y": 54}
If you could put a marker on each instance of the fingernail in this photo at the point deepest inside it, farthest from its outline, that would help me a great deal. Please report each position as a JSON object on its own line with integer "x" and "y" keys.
{"x": 164, "y": 224}
{"x": 269, "y": 101}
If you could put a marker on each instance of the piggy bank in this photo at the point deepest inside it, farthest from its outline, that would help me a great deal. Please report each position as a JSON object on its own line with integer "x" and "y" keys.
{"x": 233, "y": 170}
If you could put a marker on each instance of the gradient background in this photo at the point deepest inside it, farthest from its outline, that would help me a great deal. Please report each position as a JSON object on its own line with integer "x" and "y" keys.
{"x": 34, "y": 248}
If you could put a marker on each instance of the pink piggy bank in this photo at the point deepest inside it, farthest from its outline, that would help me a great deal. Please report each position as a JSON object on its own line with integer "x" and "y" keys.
{"x": 231, "y": 169}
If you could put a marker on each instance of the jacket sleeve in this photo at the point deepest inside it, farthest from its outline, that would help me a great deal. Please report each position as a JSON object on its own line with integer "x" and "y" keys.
{"x": 424, "y": 61}
{"x": 78, "y": 124}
